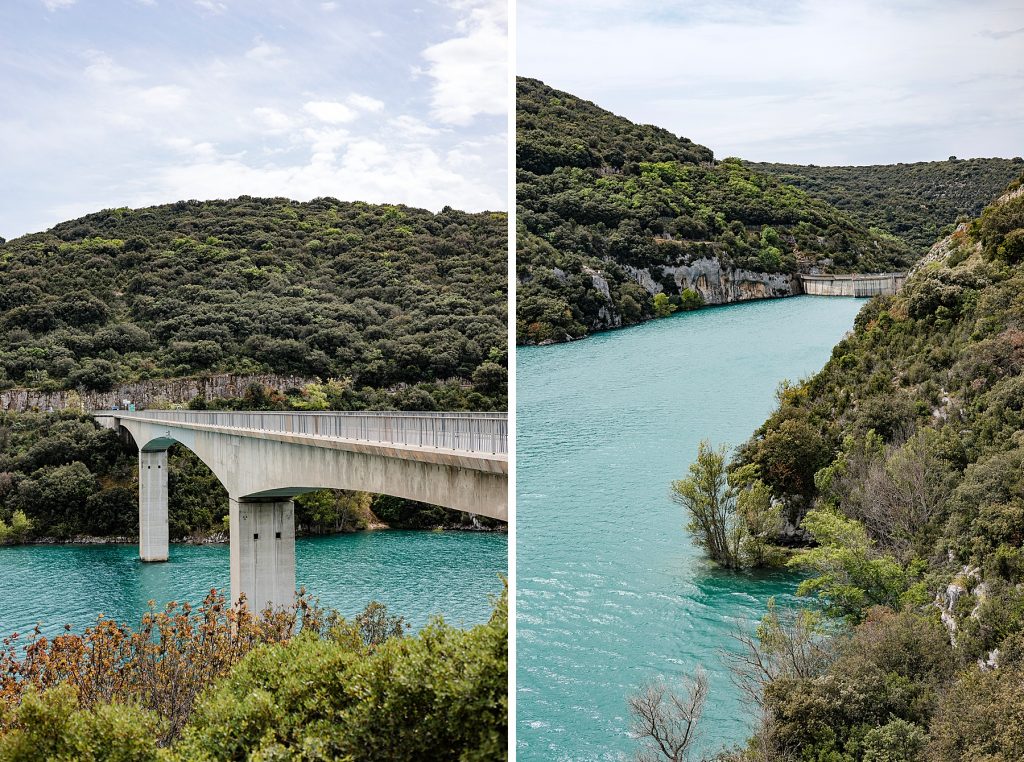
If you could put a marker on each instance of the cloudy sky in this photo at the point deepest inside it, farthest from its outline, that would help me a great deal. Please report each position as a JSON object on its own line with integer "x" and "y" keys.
{"x": 820, "y": 82}
{"x": 110, "y": 103}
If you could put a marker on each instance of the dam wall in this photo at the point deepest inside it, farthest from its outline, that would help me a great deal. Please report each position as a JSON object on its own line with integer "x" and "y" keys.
{"x": 859, "y": 285}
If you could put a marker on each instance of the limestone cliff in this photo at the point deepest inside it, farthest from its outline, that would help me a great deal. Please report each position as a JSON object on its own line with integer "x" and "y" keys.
{"x": 150, "y": 393}
{"x": 718, "y": 285}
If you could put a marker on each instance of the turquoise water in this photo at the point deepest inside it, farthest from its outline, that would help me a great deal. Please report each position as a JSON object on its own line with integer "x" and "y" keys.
{"x": 417, "y": 574}
{"x": 610, "y": 590}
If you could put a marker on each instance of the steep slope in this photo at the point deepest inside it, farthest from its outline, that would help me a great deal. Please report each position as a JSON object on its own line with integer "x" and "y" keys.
{"x": 918, "y": 202}
{"x": 612, "y": 213}
{"x": 912, "y": 435}
{"x": 383, "y": 296}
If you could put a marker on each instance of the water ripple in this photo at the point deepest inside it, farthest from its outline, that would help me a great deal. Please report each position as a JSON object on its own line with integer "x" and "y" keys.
{"x": 610, "y": 591}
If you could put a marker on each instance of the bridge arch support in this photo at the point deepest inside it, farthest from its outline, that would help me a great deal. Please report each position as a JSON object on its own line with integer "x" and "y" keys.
{"x": 262, "y": 469}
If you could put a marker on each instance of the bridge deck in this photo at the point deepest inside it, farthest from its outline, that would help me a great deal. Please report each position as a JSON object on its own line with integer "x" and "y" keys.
{"x": 469, "y": 433}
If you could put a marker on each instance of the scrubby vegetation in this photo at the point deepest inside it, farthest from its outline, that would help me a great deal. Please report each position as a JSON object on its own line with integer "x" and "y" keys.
{"x": 378, "y": 295}
{"x": 600, "y": 198}
{"x": 903, "y": 461}
{"x": 918, "y": 202}
{"x": 218, "y": 683}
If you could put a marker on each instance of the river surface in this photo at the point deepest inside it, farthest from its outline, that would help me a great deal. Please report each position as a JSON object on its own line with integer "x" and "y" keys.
{"x": 611, "y": 592}
{"x": 416, "y": 574}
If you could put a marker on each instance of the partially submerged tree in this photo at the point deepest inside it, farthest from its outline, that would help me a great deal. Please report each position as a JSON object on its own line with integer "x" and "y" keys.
{"x": 665, "y": 721}
{"x": 711, "y": 506}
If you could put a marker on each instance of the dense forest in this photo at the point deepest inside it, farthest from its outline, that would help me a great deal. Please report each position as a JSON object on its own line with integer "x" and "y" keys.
{"x": 919, "y": 202}
{"x": 389, "y": 307}
{"x": 375, "y": 294}
{"x": 903, "y": 460}
{"x": 605, "y": 205}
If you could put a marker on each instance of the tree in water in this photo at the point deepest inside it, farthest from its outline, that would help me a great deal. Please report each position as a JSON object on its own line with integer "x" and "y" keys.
{"x": 710, "y": 504}
{"x": 664, "y": 721}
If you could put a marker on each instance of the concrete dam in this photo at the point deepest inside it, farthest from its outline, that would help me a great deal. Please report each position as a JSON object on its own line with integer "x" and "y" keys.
{"x": 859, "y": 285}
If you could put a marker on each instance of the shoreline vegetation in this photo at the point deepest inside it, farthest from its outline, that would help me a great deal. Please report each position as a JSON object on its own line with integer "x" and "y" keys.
{"x": 901, "y": 461}
{"x": 219, "y": 682}
{"x": 221, "y": 538}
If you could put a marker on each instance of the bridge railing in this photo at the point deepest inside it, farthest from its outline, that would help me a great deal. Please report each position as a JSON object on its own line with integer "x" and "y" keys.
{"x": 472, "y": 432}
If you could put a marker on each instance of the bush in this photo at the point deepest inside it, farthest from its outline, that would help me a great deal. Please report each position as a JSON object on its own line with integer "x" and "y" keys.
{"x": 439, "y": 695}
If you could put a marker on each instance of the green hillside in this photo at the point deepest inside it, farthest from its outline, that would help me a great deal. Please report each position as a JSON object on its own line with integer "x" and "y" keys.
{"x": 378, "y": 295}
{"x": 912, "y": 440}
{"x": 391, "y": 307}
{"x": 604, "y": 203}
{"x": 918, "y": 202}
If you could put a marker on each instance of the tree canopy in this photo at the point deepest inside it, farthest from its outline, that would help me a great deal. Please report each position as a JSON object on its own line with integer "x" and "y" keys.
{"x": 381, "y": 295}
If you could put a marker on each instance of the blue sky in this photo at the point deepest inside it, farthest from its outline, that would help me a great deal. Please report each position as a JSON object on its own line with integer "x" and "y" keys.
{"x": 112, "y": 103}
{"x": 816, "y": 82}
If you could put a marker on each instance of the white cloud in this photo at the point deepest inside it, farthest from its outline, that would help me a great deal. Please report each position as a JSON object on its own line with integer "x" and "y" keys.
{"x": 325, "y": 141}
{"x": 335, "y": 112}
{"x": 331, "y": 112}
{"x": 211, "y": 6}
{"x": 411, "y": 127}
{"x": 272, "y": 119}
{"x": 170, "y": 121}
{"x": 365, "y": 102}
{"x": 103, "y": 69}
{"x": 164, "y": 97}
{"x": 329, "y": 6}
{"x": 368, "y": 170}
{"x": 199, "y": 151}
{"x": 265, "y": 53}
{"x": 56, "y": 5}
{"x": 470, "y": 72}
{"x": 859, "y": 82}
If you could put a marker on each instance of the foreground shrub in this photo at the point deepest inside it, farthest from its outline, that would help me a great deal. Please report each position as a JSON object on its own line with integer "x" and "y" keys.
{"x": 440, "y": 695}
{"x": 53, "y": 726}
{"x": 162, "y": 666}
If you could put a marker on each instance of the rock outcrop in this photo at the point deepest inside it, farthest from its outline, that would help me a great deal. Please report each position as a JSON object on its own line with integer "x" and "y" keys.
{"x": 718, "y": 285}
{"x": 150, "y": 393}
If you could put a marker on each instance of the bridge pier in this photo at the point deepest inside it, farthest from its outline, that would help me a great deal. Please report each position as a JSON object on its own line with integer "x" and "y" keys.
{"x": 262, "y": 551}
{"x": 153, "y": 528}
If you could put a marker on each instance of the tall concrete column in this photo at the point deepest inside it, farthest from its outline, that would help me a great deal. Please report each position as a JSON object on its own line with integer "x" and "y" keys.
{"x": 262, "y": 552}
{"x": 153, "y": 529}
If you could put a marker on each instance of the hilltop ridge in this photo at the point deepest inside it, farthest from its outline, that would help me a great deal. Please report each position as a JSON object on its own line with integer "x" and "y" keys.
{"x": 620, "y": 222}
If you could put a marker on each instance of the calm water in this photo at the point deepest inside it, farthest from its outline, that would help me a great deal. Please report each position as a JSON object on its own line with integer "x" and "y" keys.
{"x": 417, "y": 574}
{"x": 610, "y": 590}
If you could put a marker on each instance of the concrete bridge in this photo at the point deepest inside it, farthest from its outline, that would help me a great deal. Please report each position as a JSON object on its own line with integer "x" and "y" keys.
{"x": 264, "y": 459}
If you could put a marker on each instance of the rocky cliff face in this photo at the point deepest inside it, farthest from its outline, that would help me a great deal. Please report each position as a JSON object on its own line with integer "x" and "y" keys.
{"x": 146, "y": 393}
{"x": 716, "y": 285}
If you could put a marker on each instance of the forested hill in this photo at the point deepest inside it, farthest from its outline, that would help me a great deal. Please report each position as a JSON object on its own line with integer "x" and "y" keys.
{"x": 379, "y": 296}
{"x": 621, "y": 222}
{"x": 909, "y": 447}
{"x": 555, "y": 129}
{"x": 919, "y": 202}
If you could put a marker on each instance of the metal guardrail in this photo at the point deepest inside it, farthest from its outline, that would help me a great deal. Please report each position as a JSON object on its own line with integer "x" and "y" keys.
{"x": 468, "y": 432}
